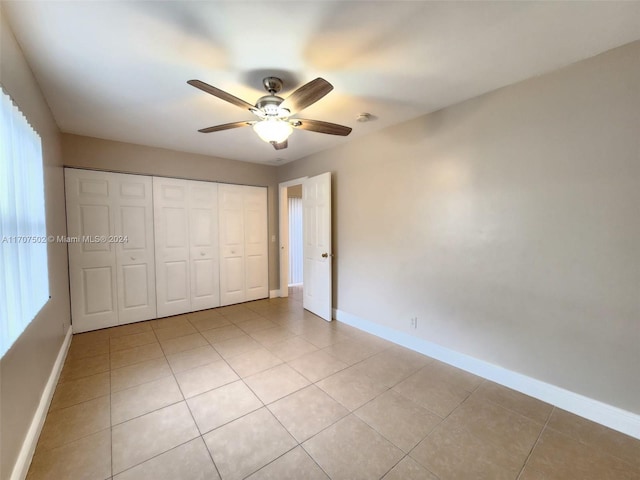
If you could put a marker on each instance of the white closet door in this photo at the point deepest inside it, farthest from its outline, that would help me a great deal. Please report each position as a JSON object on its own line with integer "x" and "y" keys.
{"x": 256, "y": 243}
{"x": 203, "y": 241}
{"x": 232, "y": 262}
{"x": 92, "y": 262}
{"x": 171, "y": 225}
{"x": 134, "y": 248}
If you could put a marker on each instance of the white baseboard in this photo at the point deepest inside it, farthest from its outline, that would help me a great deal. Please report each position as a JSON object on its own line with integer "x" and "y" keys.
{"x": 21, "y": 468}
{"x": 274, "y": 293}
{"x": 296, "y": 284}
{"x": 602, "y": 413}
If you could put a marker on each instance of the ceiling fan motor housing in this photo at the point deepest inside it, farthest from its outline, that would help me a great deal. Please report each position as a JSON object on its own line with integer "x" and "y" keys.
{"x": 269, "y": 104}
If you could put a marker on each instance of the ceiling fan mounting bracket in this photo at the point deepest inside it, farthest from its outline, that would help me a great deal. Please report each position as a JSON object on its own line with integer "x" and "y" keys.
{"x": 272, "y": 84}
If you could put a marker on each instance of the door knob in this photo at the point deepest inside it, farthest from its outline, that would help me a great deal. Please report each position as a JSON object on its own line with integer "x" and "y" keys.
{"x": 325, "y": 255}
{"x": 132, "y": 258}
{"x": 202, "y": 254}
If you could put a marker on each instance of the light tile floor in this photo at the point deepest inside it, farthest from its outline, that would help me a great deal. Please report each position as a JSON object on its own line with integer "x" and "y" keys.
{"x": 265, "y": 390}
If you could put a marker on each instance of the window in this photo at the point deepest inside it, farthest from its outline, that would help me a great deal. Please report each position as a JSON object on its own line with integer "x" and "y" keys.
{"x": 24, "y": 279}
{"x": 295, "y": 241}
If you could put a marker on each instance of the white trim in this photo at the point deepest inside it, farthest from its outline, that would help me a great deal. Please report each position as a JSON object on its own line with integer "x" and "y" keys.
{"x": 605, "y": 414}
{"x": 274, "y": 293}
{"x": 21, "y": 468}
{"x": 296, "y": 284}
{"x": 291, "y": 183}
{"x": 283, "y": 219}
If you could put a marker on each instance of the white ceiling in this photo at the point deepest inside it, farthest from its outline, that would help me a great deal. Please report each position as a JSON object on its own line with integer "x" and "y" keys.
{"x": 118, "y": 70}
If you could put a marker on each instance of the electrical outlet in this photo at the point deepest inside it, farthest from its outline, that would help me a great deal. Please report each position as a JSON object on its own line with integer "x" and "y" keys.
{"x": 414, "y": 322}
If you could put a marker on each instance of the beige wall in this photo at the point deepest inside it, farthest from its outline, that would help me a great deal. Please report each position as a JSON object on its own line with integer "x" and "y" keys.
{"x": 294, "y": 191}
{"x": 87, "y": 152}
{"x": 508, "y": 224}
{"x": 25, "y": 369}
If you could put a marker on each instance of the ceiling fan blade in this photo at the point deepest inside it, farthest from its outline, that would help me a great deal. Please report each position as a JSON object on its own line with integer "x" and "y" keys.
{"x": 306, "y": 95}
{"x": 221, "y": 94}
{"x": 321, "y": 127}
{"x": 226, "y": 126}
{"x": 281, "y": 145}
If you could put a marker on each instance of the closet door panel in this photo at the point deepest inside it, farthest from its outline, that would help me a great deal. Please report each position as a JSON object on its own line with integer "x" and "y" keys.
{"x": 234, "y": 277}
{"x": 203, "y": 239}
{"x": 256, "y": 243}
{"x": 133, "y": 283}
{"x": 231, "y": 218}
{"x": 232, "y": 254}
{"x": 92, "y": 262}
{"x": 176, "y": 281}
{"x": 97, "y": 290}
{"x": 171, "y": 222}
{"x": 134, "y": 244}
{"x": 95, "y": 222}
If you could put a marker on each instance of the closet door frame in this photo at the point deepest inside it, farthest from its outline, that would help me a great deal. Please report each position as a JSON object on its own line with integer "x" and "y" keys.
{"x": 176, "y": 240}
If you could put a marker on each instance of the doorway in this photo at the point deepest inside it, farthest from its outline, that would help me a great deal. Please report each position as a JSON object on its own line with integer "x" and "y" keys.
{"x": 291, "y": 260}
{"x": 316, "y": 241}
{"x": 294, "y": 195}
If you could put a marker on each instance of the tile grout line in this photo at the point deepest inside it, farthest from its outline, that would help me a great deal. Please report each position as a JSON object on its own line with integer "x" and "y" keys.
{"x": 443, "y": 419}
{"x": 264, "y": 405}
{"x": 535, "y": 444}
{"x": 175, "y": 403}
{"x": 301, "y": 444}
{"x": 515, "y": 412}
{"x": 201, "y": 436}
{"x": 314, "y": 460}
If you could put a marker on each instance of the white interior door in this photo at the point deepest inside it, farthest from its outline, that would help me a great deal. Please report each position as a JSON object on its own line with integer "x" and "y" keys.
{"x": 256, "y": 243}
{"x": 316, "y": 204}
{"x": 171, "y": 225}
{"x": 92, "y": 262}
{"x": 203, "y": 245}
{"x": 134, "y": 244}
{"x": 232, "y": 261}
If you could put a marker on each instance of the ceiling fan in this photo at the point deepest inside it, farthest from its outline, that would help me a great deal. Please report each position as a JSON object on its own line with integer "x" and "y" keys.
{"x": 274, "y": 124}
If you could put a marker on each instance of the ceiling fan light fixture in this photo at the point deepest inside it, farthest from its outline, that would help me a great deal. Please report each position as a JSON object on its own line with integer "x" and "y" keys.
{"x": 273, "y": 130}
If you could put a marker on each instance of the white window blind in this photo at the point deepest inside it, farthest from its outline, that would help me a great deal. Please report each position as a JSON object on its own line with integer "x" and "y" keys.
{"x": 295, "y": 241}
{"x": 24, "y": 279}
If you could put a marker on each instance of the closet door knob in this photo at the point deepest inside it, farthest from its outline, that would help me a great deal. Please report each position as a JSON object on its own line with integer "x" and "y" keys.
{"x": 202, "y": 254}
{"x": 132, "y": 258}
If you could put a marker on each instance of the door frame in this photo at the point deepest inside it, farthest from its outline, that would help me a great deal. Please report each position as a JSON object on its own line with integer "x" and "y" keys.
{"x": 283, "y": 216}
